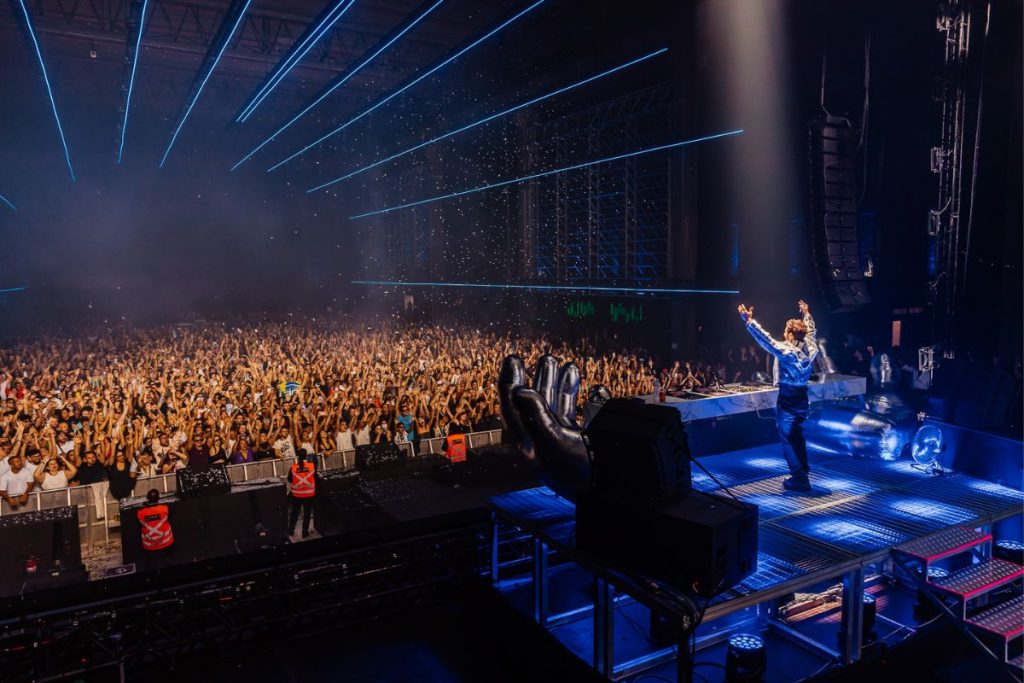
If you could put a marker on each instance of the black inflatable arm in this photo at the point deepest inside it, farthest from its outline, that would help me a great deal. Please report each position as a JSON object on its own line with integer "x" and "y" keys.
{"x": 512, "y": 375}
{"x": 559, "y": 450}
{"x": 545, "y": 378}
{"x": 566, "y": 392}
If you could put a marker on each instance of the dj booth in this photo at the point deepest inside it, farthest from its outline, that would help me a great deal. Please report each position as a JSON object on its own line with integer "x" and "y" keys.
{"x": 253, "y": 515}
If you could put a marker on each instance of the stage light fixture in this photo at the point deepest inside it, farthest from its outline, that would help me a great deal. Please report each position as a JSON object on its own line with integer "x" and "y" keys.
{"x": 405, "y": 87}
{"x": 131, "y": 80}
{"x": 206, "y": 79}
{"x": 49, "y": 90}
{"x": 746, "y": 658}
{"x": 337, "y": 85}
{"x": 7, "y": 201}
{"x": 296, "y": 56}
{"x": 1009, "y": 550}
{"x": 562, "y": 288}
{"x": 927, "y": 445}
{"x": 490, "y": 118}
{"x": 534, "y": 176}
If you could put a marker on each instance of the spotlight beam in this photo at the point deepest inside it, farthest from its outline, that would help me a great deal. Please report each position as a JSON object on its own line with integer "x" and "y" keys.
{"x": 209, "y": 72}
{"x": 405, "y": 87}
{"x": 542, "y": 174}
{"x": 295, "y": 55}
{"x": 558, "y": 288}
{"x": 131, "y": 80}
{"x": 334, "y": 86}
{"x": 490, "y": 118}
{"x": 7, "y": 201}
{"x": 49, "y": 90}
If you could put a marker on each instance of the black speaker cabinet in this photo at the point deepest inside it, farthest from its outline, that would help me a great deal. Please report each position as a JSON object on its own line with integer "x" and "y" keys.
{"x": 639, "y": 450}
{"x": 342, "y": 505}
{"x": 253, "y": 515}
{"x": 702, "y": 542}
{"x": 41, "y": 549}
{"x": 210, "y": 481}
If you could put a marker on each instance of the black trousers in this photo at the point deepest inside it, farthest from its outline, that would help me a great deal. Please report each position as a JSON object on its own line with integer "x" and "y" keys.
{"x": 791, "y": 411}
{"x": 307, "y": 511}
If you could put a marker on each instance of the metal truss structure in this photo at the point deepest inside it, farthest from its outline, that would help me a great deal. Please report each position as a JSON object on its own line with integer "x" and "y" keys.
{"x": 606, "y": 223}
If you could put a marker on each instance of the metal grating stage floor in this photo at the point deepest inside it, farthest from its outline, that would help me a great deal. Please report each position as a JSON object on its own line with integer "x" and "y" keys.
{"x": 858, "y": 511}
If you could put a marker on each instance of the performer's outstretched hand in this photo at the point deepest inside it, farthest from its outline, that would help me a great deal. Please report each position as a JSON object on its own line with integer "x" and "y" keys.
{"x": 746, "y": 313}
{"x": 804, "y": 308}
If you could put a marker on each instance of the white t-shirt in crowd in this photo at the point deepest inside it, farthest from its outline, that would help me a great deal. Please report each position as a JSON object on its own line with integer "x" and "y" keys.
{"x": 284, "y": 447}
{"x": 15, "y": 483}
{"x": 363, "y": 436}
{"x": 344, "y": 441}
{"x": 54, "y": 481}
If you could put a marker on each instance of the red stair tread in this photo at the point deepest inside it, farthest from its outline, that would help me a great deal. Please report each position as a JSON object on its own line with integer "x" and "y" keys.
{"x": 978, "y": 578}
{"x": 1005, "y": 619}
{"x": 943, "y": 544}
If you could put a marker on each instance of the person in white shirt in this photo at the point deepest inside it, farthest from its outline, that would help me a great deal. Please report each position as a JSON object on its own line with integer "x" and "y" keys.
{"x": 284, "y": 447}
{"x": 344, "y": 439}
{"x": 16, "y": 484}
{"x": 54, "y": 473}
{"x": 363, "y": 435}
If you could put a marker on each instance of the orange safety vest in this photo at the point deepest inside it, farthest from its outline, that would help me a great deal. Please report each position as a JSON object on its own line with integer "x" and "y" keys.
{"x": 456, "y": 447}
{"x": 303, "y": 481}
{"x": 156, "y": 527}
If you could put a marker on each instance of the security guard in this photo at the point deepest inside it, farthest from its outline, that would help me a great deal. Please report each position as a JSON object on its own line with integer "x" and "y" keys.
{"x": 455, "y": 447}
{"x": 157, "y": 534}
{"x": 302, "y": 477}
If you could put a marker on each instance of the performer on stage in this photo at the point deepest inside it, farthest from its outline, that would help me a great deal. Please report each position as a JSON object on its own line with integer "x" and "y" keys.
{"x": 795, "y": 357}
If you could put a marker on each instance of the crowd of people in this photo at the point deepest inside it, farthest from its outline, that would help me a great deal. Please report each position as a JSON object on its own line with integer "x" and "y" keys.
{"x": 118, "y": 405}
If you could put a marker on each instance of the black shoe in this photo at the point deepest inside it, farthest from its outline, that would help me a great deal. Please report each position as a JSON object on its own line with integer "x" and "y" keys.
{"x": 794, "y": 484}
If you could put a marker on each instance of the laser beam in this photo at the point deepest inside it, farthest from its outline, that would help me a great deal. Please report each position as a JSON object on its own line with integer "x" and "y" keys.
{"x": 562, "y": 288}
{"x": 295, "y": 57}
{"x": 49, "y": 90}
{"x": 131, "y": 81}
{"x": 8, "y": 290}
{"x": 337, "y": 85}
{"x": 398, "y": 92}
{"x": 7, "y": 201}
{"x": 534, "y": 176}
{"x": 490, "y": 118}
{"x": 206, "y": 79}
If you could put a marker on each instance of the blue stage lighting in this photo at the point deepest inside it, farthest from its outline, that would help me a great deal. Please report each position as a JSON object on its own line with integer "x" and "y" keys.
{"x": 337, "y": 85}
{"x": 12, "y": 289}
{"x": 49, "y": 90}
{"x": 481, "y": 188}
{"x": 206, "y": 79}
{"x": 131, "y": 80}
{"x": 296, "y": 56}
{"x": 746, "y": 658}
{"x": 927, "y": 445}
{"x": 556, "y": 288}
{"x": 1009, "y": 550}
{"x": 490, "y": 118}
{"x": 405, "y": 87}
{"x": 7, "y": 201}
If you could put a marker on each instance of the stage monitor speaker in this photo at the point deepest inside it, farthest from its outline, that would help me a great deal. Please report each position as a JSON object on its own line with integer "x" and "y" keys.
{"x": 377, "y": 457}
{"x": 41, "y": 549}
{"x": 210, "y": 481}
{"x": 833, "y": 211}
{"x": 639, "y": 450}
{"x": 702, "y": 542}
{"x": 343, "y": 506}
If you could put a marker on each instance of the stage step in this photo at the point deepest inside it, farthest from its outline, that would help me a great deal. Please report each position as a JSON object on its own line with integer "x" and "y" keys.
{"x": 945, "y": 543}
{"x": 978, "y": 579}
{"x": 1018, "y": 661}
{"x": 1005, "y": 619}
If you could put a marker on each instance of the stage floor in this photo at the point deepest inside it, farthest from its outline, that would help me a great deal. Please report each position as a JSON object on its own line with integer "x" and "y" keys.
{"x": 858, "y": 511}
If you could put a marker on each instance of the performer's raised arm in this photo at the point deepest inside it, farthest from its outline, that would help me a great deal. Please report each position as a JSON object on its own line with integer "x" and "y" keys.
{"x": 760, "y": 335}
{"x": 811, "y": 338}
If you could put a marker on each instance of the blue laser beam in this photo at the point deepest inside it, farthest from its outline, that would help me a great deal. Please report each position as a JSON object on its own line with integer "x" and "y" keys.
{"x": 227, "y": 41}
{"x": 131, "y": 81}
{"x": 534, "y": 176}
{"x": 490, "y": 118}
{"x": 337, "y": 85}
{"x": 8, "y": 290}
{"x": 398, "y": 92}
{"x": 49, "y": 90}
{"x": 7, "y": 201}
{"x": 296, "y": 56}
{"x": 563, "y": 288}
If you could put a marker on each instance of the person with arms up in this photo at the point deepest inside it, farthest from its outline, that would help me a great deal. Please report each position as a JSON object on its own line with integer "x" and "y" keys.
{"x": 795, "y": 358}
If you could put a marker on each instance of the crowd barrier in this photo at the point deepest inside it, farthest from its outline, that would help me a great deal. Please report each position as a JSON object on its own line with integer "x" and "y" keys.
{"x": 98, "y": 511}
